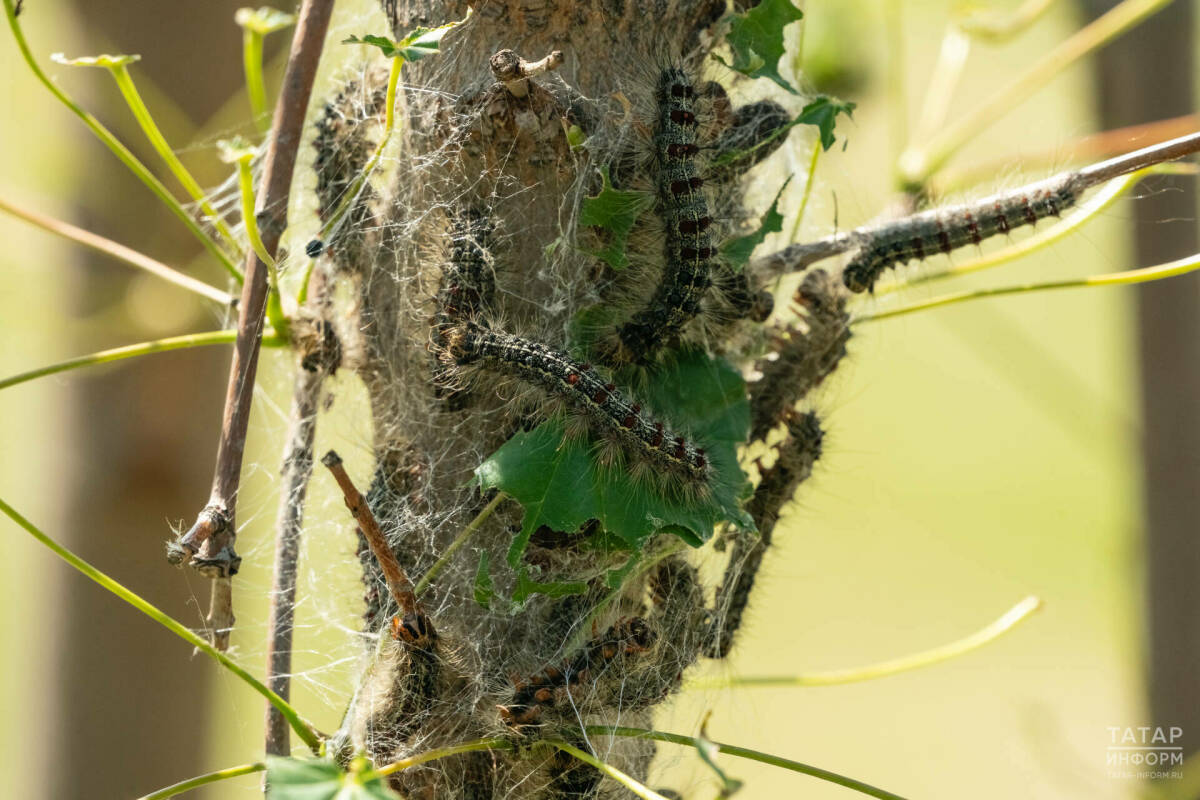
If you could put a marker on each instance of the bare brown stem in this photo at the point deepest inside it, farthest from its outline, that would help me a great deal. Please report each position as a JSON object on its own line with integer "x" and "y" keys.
{"x": 211, "y": 546}
{"x": 296, "y": 472}
{"x": 398, "y": 584}
{"x": 798, "y": 257}
{"x": 514, "y": 72}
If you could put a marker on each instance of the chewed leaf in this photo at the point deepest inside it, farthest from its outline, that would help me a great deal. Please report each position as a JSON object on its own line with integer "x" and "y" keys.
{"x": 615, "y": 211}
{"x": 737, "y": 251}
{"x": 421, "y": 42}
{"x": 322, "y": 779}
{"x": 527, "y": 587}
{"x": 561, "y": 483}
{"x": 756, "y": 39}
{"x": 823, "y": 112}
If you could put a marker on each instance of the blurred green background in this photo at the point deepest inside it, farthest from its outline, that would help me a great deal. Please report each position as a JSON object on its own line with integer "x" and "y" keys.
{"x": 974, "y": 455}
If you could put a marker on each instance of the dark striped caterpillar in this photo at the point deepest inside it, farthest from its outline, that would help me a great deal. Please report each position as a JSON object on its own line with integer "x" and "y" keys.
{"x": 467, "y": 289}
{"x": 684, "y": 208}
{"x": 650, "y": 445}
{"x": 945, "y": 229}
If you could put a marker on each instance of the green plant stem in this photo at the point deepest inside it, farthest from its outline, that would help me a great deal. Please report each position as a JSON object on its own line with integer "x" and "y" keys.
{"x": 1130, "y": 277}
{"x": 943, "y": 81}
{"x": 361, "y": 179}
{"x": 270, "y": 339}
{"x": 990, "y": 633}
{"x": 494, "y": 743}
{"x": 996, "y": 26}
{"x": 813, "y": 158}
{"x": 275, "y": 313}
{"x": 1103, "y": 199}
{"x": 742, "y": 752}
{"x": 256, "y": 89}
{"x": 119, "y": 150}
{"x": 641, "y": 790}
{"x": 204, "y": 780}
{"x": 917, "y": 165}
{"x": 458, "y": 542}
{"x": 118, "y": 251}
{"x": 302, "y": 728}
{"x": 133, "y": 98}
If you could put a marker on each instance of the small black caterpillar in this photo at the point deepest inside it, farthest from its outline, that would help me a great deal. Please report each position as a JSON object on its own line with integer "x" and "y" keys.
{"x": 650, "y": 444}
{"x": 677, "y": 299}
{"x": 945, "y": 229}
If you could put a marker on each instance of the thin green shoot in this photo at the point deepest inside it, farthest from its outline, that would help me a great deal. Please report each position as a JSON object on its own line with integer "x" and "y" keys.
{"x": 458, "y": 542}
{"x": 302, "y": 728}
{"x": 743, "y": 752}
{"x": 118, "y": 67}
{"x": 256, "y": 25}
{"x": 997, "y": 26}
{"x": 270, "y": 339}
{"x": 919, "y": 163}
{"x": 1127, "y": 278}
{"x": 989, "y": 633}
{"x": 204, "y": 780}
{"x": 119, "y": 150}
{"x": 241, "y": 155}
{"x": 813, "y": 158}
{"x": 118, "y": 251}
{"x": 633, "y": 785}
{"x": 493, "y": 743}
{"x": 1097, "y": 204}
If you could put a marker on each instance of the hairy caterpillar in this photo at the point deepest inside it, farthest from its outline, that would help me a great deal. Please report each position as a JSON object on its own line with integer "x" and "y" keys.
{"x": 650, "y": 444}
{"x": 467, "y": 289}
{"x": 677, "y": 299}
{"x": 945, "y": 229}
{"x": 805, "y": 357}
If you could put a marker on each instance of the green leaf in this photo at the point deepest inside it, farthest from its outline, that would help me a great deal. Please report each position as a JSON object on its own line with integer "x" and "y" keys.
{"x": 312, "y": 779}
{"x": 527, "y": 587}
{"x": 263, "y": 20}
{"x": 484, "y": 592}
{"x": 737, "y": 251}
{"x": 823, "y": 112}
{"x": 561, "y": 483}
{"x": 615, "y": 211}
{"x": 756, "y": 39}
{"x": 421, "y": 42}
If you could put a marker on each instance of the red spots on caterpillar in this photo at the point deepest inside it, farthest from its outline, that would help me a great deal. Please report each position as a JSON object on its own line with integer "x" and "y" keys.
{"x": 690, "y": 226}
{"x": 947, "y": 229}
{"x": 695, "y": 183}
{"x": 695, "y": 254}
{"x": 680, "y": 187}
{"x": 573, "y": 378}
{"x": 600, "y": 396}
{"x": 678, "y": 150}
{"x": 680, "y": 117}
{"x": 657, "y": 439}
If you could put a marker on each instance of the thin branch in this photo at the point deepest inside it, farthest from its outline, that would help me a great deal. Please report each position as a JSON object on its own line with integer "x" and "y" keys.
{"x": 210, "y": 541}
{"x": 1127, "y": 278}
{"x": 743, "y": 752}
{"x": 798, "y": 257}
{"x": 204, "y": 780}
{"x": 296, "y": 472}
{"x": 514, "y": 72}
{"x": 303, "y": 729}
{"x": 119, "y": 252}
{"x": 398, "y": 583}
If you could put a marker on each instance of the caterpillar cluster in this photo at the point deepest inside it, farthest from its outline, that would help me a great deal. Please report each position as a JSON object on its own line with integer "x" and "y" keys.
{"x": 649, "y": 442}
{"x": 551, "y": 686}
{"x": 946, "y": 229}
{"x": 688, "y": 251}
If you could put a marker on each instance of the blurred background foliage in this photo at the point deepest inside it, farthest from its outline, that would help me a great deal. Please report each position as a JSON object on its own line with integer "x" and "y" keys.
{"x": 975, "y": 455}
